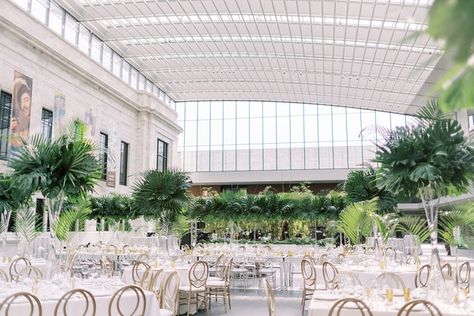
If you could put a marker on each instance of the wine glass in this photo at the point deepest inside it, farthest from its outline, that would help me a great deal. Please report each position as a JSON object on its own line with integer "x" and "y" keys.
{"x": 84, "y": 271}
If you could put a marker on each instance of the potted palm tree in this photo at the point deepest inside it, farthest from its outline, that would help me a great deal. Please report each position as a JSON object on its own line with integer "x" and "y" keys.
{"x": 428, "y": 160}
{"x": 58, "y": 168}
{"x": 162, "y": 195}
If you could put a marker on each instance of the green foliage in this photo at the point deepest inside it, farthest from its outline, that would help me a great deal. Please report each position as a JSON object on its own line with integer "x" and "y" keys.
{"x": 356, "y": 221}
{"x": 68, "y": 218}
{"x": 26, "y": 224}
{"x": 267, "y": 206}
{"x": 413, "y": 225}
{"x": 452, "y": 23}
{"x": 11, "y": 198}
{"x": 162, "y": 193}
{"x": 361, "y": 185}
{"x": 115, "y": 207}
{"x": 461, "y": 217}
{"x": 66, "y": 164}
{"x": 432, "y": 155}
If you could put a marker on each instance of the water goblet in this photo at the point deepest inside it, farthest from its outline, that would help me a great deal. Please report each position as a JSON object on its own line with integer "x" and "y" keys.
{"x": 84, "y": 271}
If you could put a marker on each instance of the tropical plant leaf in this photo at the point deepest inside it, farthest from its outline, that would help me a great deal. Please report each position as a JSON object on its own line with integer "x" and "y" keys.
{"x": 26, "y": 223}
{"x": 413, "y": 225}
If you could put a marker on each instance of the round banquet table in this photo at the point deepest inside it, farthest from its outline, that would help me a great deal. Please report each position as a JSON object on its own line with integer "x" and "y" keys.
{"x": 322, "y": 301}
{"x": 49, "y": 295}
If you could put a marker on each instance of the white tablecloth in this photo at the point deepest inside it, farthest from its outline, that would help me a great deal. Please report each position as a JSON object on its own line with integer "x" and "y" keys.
{"x": 102, "y": 297}
{"x": 38, "y": 263}
{"x": 321, "y": 307}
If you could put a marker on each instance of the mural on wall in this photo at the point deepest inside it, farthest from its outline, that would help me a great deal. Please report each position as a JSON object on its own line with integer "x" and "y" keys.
{"x": 59, "y": 113}
{"x": 21, "y": 110}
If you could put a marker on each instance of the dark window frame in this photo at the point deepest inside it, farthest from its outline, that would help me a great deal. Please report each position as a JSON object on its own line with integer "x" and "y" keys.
{"x": 124, "y": 152}
{"x": 5, "y": 120}
{"x": 161, "y": 156}
{"x": 47, "y": 123}
{"x": 103, "y": 154}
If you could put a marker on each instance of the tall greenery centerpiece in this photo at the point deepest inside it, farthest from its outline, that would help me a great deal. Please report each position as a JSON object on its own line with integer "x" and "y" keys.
{"x": 11, "y": 199}
{"x": 58, "y": 168}
{"x": 428, "y": 160}
{"x": 162, "y": 195}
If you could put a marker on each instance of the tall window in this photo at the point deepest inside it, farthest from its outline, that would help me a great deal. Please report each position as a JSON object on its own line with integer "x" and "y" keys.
{"x": 123, "y": 163}
{"x": 162, "y": 155}
{"x": 47, "y": 123}
{"x": 104, "y": 147}
{"x": 5, "y": 114}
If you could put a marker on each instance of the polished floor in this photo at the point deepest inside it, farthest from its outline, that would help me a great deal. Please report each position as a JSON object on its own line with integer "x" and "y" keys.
{"x": 254, "y": 303}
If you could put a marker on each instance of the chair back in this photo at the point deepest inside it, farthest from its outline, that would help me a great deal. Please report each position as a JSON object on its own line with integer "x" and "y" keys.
{"x": 350, "y": 304}
{"x": 220, "y": 266}
{"x": 153, "y": 280}
{"x": 228, "y": 271}
{"x": 310, "y": 259}
{"x": 118, "y": 307}
{"x": 198, "y": 275}
{"x": 330, "y": 275}
{"x": 140, "y": 273}
{"x": 19, "y": 269}
{"x": 389, "y": 280}
{"x": 34, "y": 304}
{"x": 422, "y": 276}
{"x": 62, "y": 305}
{"x": 270, "y": 297}
{"x": 464, "y": 275}
{"x": 417, "y": 307}
{"x": 169, "y": 297}
{"x": 309, "y": 274}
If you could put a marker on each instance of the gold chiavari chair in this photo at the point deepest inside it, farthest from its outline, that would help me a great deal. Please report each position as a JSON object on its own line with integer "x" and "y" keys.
{"x": 447, "y": 271}
{"x": 422, "y": 276}
{"x": 309, "y": 282}
{"x": 89, "y": 300}
{"x": 140, "y": 273}
{"x": 154, "y": 281}
{"x": 197, "y": 290}
{"x": 4, "y": 276}
{"x": 221, "y": 288}
{"x": 340, "y": 258}
{"x": 390, "y": 280}
{"x": 349, "y": 249}
{"x": 369, "y": 250}
{"x": 169, "y": 297}
{"x": 34, "y": 304}
{"x": 464, "y": 275}
{"x": 116, "y": 306}
{"x": 330, "y": 273}
{"x": 350, "y": 304}
{"x": 270, "y": 297}
{"x": 19, "y": 269}
{"x": 267, "y": 248}
{"x": 125, "y": 248}
{"x": 418, "y": 307}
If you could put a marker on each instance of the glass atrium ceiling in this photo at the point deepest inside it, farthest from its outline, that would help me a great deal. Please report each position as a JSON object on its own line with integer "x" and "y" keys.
{"x": 365, "y": 54}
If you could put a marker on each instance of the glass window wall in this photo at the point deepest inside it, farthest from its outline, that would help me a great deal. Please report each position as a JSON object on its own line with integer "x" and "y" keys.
{"x": 254, "y": 135}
